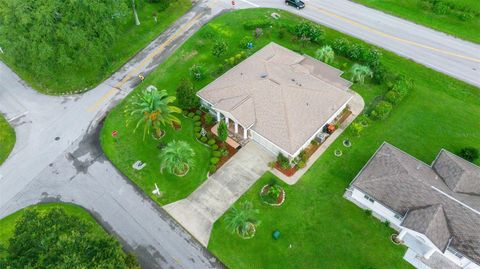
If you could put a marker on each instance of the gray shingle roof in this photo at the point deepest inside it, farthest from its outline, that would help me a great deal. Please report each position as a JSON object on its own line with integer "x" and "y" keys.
{"x": 430, "y": 221}
{"x": 286, "y": 97}
{"x": 412, "y": 188}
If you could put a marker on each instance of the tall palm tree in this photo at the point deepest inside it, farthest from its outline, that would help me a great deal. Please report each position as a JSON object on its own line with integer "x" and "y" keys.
{"x": 242, "y": 219}
{"x": 359, "y": 72}
{"x": 153, "y": 109}
{"x": 177, "y": 157}
{"x": 325, "y": 54}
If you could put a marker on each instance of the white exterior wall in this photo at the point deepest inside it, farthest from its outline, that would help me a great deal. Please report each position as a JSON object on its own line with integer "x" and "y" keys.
{"x": 375, "y": 207}
{"x": 266, "y": 143}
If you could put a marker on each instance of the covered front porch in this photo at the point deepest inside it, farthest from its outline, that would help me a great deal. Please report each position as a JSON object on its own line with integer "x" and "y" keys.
{"x": 237, "y": 134}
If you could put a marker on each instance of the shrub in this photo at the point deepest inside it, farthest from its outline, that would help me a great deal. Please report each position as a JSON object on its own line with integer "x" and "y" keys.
{"x": 341, "y": 45}
{"x": 186, "y": 95}
{"x": 360, "y": 72}
{"x": 469, "y": 153}
{"x": 191, "y": 114}
{"x": 197, "y": 72}
{"x": 440, "y": 8}
{"x": 196, "y": 118}
{"x": 314, "y": 142}
{"x": 466, "y": 16}
{"x": 214, "y": 160}
{"x": 380, "y": 74}
{"x": 213, "y": 169}
{"x": 244, "y": 42}
{"x": 198, "y": 135}
{"x": 198, "y": 112}
{"x": 258, "y": 23}
{"x": 281, "y": 34}
{"x": 307, "y": 31}
{"x": 363, "y": 120}
{"x": 393, "y": 97}
{"x": 203, "y": 139}
{"x": 197, "y": 129}
{"x": 219, "y": 48}
{"x": 372, "y": 57}
{"x": 325, "y": 54}
{"x": 215, "y": 147}
{"x": 208, "y": 118}
{"x": 381, "y": 110}
{"x": 386, "y": 223}
{"x": 211, "y": 142}
{"x": 368, "y": 212}
{"x": 198, "y": 123}
{"x": 301, "y": 164}
{"x": 283, "y": 161}
{"x": 356, "y": 129}
{"x": 354, "y": 52}
{"x": 217, "y": 154}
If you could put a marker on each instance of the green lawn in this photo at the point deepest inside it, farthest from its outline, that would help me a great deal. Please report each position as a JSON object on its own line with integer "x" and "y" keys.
{"x": 130, "y": 147}
{"x": 8, "y": 223}
{"x": 324, "y": 229}
{"x": 133, "y": 39}
{"x": 7, "y": 139}
{"x": 416, "y": 11}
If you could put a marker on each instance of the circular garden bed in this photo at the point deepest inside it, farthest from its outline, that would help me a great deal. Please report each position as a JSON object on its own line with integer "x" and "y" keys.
{"x": 250, "y": 233}
{"x": 273, "y": 195}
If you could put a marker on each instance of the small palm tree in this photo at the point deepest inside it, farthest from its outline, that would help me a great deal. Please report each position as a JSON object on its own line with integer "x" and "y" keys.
{"x": 153, "y": 109}
{"x": 325, "y": 54}
{"x": 177, "y": 158}
{"x": 242, "y": 219}
{"x": 359, "y": 72}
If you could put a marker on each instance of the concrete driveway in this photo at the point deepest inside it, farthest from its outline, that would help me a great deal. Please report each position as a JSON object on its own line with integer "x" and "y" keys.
{"x": 202, "y": 208}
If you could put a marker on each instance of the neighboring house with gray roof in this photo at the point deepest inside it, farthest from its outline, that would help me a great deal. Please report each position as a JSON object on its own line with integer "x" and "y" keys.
{"x": 278, "y": 98}
{"x": 435, "y": 208}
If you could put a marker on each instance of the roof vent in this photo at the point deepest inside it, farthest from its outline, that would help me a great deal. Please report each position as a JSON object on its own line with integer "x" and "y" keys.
{"x": 264, "y": 75}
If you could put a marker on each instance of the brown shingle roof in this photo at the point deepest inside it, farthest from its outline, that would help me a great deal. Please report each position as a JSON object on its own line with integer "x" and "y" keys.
{"x": 405, "y": 184}
{"x": 287, "y": 97}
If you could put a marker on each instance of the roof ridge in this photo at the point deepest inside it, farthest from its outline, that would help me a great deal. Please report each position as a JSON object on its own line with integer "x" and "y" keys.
{"x": 287, "y": 119}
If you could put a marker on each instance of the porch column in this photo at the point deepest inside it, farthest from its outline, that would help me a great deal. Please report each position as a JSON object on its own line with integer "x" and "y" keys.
{"x": 218, "y": 116}
{"x": 236, "y": 127}
{"x": 402, "y": 234}
{"x": 226, "y": 120}
{"x": 429, "y": 253}
{"x": 244, "y": 133}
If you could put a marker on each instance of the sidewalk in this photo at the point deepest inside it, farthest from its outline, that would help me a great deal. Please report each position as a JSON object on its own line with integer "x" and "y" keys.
{"x": 356, "y": 106}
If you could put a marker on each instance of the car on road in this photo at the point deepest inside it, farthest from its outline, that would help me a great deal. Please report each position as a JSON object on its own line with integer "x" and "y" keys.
{"x": 295, "y": 3}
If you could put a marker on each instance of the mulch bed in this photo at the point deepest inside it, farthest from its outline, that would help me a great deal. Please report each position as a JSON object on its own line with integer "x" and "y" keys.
{"x": 344, "y": 116}
{"x": 224, "y": 159}
{"x": 286, "y": 171}
{"x": 280, "y": 198}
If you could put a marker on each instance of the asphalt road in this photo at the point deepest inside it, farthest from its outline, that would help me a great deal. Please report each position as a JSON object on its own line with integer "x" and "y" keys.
{"x": 439, "y": 51}
{"x": 57, "y": 158}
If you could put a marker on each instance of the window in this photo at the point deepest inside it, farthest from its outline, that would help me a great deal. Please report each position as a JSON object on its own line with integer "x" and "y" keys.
{"x": 369, "y": 198}
{"x": 398, "y": 216}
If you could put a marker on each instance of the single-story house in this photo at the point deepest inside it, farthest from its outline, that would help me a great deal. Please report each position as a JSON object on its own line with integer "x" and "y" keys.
{"x": 278, "y": 98}
{"x": 435, "y": 208}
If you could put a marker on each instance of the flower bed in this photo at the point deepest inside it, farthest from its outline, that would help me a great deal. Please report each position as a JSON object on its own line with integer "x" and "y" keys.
{"x": 264, "y": 194}
{"x": 206, "y": 122}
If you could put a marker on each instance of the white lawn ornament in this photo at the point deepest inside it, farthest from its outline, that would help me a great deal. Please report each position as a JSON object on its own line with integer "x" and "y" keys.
{"x": 203, "y": 132}
{"x": 139, "y": 165}
{"x": 151, "y": 88}
{"x": 156, "y": 191}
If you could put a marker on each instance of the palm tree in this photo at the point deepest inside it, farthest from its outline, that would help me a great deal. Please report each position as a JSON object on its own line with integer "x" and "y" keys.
{"x": 325, "y": 54}
{"x": 242, "y": 219}
{"x": 359, "y": 72}
{"x": 177, "y": 157}
{"x": 152, "y": 108}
